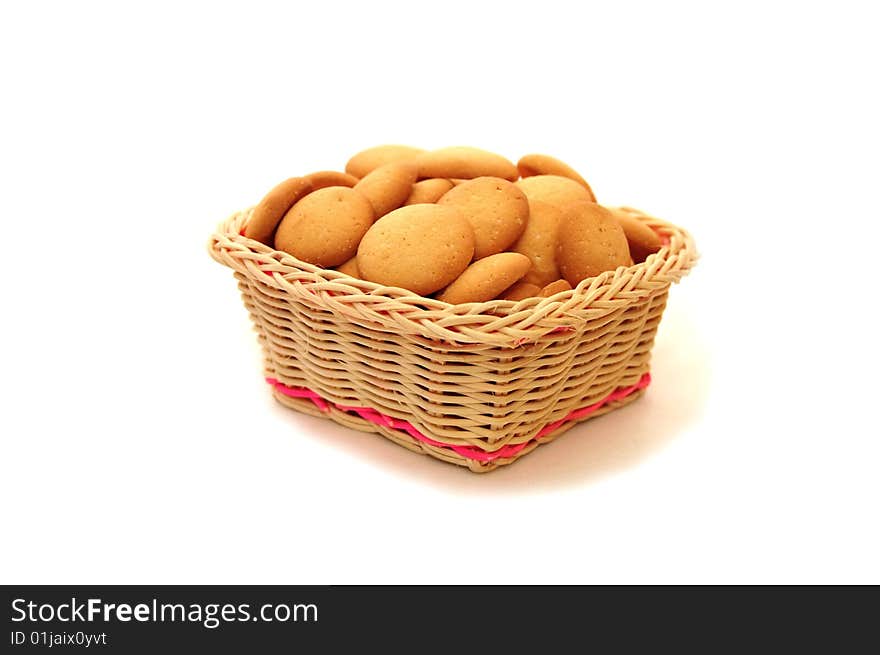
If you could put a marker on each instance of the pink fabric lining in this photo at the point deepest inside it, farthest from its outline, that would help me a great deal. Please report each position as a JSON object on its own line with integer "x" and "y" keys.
{"x": 470, "y": 452}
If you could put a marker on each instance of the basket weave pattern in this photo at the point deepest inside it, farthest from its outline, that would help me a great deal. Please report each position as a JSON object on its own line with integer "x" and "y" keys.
{"x": 483, "y": 377}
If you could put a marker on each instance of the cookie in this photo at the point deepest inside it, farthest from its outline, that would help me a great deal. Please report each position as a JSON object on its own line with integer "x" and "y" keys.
{"x": 366, "y": 161}
{"x": 429, "y": 190}
{"x": 271, "y": 209}
{"x": 590, "y": 241}
{"x": 466, "y": 163}
{"x": 521, "y": 290}
{"x": 388, "y": 186}
{"x": 486, "y": 278}
{"x": 643, "y": 241}
{"x": 323, "y": 179}
{"x": 496, "y": 209}
{"x": 538, "y": 243}
{"x": 350, "y": 268}
{"x": 531, "y": 165}
{"x": 325, "y": 227}
{"x": 555, "y": 287}
{"x": 553, "y": 189}
{"x": 421, "y": 248}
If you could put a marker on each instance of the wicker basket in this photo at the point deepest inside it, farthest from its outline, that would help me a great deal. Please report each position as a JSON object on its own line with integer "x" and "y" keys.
{"x": 479, "y": 384}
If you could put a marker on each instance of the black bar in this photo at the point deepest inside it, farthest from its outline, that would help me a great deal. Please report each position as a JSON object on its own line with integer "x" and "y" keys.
{"x": 149, "y": 619}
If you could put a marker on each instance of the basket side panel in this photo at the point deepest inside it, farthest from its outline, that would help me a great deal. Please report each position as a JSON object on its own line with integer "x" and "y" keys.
{"x": 249, "y": 296}
{"x": 481, "y": 395}
{"x": 607, "y": 354}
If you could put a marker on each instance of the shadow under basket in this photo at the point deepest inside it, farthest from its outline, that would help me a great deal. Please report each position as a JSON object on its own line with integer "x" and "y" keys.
{"x": 478, "y": 384}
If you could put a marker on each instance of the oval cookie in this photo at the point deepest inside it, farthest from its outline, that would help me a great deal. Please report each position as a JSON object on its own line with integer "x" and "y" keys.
{"x": 388, "y": 186}
{"x": 271, "y": 209}
{"x": 430, "y": 190}
{"x": 421, "y": 248}
{"x": 323, "y": 179}
{"x": 590, "y": 241}
{"x": 643, "y": 241}
{"x": 350, "y": 268}
{"x": 325, "y": 227}
{"x": 486, "y": 278}
{"x": 538, "y": 243}
{"x": 531, "y": 165}
{"x": 554, "y": 189}
{"x": 555, "y": 287}
{"x": 521, "y": 290}
{"x": 366, "y": 161}
{"x": 496, "y": 209}
{"x": 466, "y": 163}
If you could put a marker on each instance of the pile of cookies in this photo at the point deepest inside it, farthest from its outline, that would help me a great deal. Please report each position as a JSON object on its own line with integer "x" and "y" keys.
{"x": 459, "y": 224}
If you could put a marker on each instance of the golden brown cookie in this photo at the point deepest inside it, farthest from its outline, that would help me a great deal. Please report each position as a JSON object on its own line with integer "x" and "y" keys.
{"x": 538, "y": 243}
{"x": 421, "y": 248}
{"x": 388, "y": 186}
{"x": 521, "y": 290}
{"x": 350, "y": 268}
{"x": 486, "y": 278}
{"x": 553, "y": 189}
{"x": 429, "y": 190}
{"x": 271, "y": 209}
{"x": 643, "y": 241}
{"x": 590, "y": 241}
{"x": 366, "y": 161}
{"x": 497, "y": 210}
{"x": 464, "y": 162}
{"x": 323, "y": 179}
{"x": 325, "y": 227}
{"x": 555, "y": 287}
{"x": 531, "y": 165}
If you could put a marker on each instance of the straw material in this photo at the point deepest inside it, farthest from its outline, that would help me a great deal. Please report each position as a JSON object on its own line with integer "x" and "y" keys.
{"x": 486, "y": 376}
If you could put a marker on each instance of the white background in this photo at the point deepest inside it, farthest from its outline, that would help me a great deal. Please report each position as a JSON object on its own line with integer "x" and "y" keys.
{"x": 139, "y": 442}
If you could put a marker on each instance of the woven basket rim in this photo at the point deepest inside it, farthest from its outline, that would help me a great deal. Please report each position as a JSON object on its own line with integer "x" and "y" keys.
{"x": 497, "y": 322}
